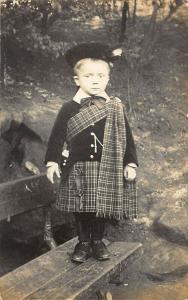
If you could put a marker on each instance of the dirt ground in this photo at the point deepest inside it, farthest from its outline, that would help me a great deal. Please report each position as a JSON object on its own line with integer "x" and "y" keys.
{"x": 160, "y": 127}
{"x": 159, "y": 121}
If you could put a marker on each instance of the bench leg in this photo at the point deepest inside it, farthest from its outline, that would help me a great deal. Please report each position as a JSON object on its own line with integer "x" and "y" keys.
{"x": 48, "y": 233}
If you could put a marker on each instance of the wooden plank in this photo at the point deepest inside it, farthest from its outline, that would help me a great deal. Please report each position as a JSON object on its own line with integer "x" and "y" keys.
{"x": 73, "y": 283}
{"x": 31, "y": 276}
{"x": 38, "y": 275}
{"x": 24, "y": 194}
{"x": 24, "y": 280}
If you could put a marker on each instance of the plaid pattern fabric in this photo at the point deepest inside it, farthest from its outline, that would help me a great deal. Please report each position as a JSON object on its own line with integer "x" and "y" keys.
{"x": 103, "y": 188}
{"x": 110, "y": 192}
{"x": 130, "y": 200}
{"x": 84, "y": 119}
{"x": 68, "y": 199}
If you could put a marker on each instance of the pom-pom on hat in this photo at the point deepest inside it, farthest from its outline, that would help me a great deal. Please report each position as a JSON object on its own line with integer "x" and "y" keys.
{"x": 91, "y": 50}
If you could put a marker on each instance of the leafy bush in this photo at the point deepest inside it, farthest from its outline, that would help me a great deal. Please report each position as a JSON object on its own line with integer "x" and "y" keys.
{"x": 24, "y": 25}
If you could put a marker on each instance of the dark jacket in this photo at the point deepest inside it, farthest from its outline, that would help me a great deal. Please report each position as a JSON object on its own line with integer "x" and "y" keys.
{"x": 81, "y": 147}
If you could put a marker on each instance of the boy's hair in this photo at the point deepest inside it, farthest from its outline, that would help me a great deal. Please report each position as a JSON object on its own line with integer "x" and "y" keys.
{"x": 81, "y": 62}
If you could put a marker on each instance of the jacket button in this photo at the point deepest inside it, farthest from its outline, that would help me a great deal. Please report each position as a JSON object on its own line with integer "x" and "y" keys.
{"x": 92, "y": 145}
{"x": 91, "y": 156}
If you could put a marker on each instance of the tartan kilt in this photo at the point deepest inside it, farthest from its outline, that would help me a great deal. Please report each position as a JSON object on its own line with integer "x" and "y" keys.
{"x": 70, "y": 198}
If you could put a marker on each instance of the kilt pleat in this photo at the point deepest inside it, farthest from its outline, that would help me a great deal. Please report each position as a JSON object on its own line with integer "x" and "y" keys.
{"x": 82, "y": 198}
{"x": 68, "y": 198}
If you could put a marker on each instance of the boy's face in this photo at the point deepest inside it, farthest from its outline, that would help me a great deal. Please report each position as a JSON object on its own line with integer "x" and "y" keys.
{"x": 92, "y": 76}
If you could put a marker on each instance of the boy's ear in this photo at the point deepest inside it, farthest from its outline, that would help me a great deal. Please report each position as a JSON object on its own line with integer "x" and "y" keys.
{"x": 76, "y": 80}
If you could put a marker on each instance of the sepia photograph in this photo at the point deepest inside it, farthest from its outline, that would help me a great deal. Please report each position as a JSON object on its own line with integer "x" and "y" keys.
{"x": 94, "y": 149}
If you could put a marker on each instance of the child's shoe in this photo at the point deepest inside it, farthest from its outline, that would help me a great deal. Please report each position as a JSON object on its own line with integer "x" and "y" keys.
{"x": 81, "y": 252}
{"x": 100, "y": 250}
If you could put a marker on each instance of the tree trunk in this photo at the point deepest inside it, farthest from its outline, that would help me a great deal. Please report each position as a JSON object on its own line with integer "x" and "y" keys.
{"x": 153, "y": 18}
{"x": 134, "y": 12}
{"x": 150, "y": 35}
{"x": 125, "y": 15}
{"x": 2, "y": 50}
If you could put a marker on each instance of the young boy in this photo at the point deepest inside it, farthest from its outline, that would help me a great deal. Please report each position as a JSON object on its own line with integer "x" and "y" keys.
{"x": 97, "y": 178}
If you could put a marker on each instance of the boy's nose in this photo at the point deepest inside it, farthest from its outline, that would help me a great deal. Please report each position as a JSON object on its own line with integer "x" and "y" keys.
{"x": 96, "y": 81}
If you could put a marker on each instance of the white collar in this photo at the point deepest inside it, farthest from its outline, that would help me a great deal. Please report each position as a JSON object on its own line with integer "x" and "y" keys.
{"x": 81, "y": 94}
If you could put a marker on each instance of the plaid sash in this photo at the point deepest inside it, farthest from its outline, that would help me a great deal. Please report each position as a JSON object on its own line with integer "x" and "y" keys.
{"x": 110, "y": 191}
{"x": 111, "y": 183}
{"x": 84, "y": 119}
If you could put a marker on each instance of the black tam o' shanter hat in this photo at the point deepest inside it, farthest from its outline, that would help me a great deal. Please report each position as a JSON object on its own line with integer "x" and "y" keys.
{"x": 92, "y": 50}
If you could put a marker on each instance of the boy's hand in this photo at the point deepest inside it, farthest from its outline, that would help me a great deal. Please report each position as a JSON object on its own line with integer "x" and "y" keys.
{"x": 130, "y": 172}
{"x": 51, "y": 171}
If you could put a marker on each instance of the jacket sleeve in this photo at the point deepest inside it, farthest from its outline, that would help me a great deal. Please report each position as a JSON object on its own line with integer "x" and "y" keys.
{"x": 130, "y": 153}
{"x": 57, "y": 137}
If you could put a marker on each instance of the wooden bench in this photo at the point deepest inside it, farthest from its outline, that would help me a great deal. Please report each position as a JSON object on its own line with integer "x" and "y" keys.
{"x": 22, "y": 195}
{"x": 26, "y": 194}
{"x": 53, "y": 276}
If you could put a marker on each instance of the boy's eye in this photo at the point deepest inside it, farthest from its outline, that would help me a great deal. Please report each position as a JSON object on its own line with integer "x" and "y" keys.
{"x": 91, "y": 75}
